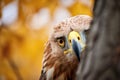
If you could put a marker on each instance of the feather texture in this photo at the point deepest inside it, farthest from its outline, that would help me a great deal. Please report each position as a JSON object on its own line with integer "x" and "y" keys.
{"x": 57, "y": 65}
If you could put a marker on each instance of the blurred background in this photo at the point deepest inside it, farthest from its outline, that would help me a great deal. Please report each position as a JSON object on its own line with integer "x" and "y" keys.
{"x": 25, "y": 26}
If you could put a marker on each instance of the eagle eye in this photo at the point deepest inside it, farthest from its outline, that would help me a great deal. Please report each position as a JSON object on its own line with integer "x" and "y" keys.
{"x": 61, "y": 42}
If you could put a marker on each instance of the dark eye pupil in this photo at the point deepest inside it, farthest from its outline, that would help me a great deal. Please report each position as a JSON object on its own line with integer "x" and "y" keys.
{"x": 78, "y": 38}
{"x": 61, "y": 41}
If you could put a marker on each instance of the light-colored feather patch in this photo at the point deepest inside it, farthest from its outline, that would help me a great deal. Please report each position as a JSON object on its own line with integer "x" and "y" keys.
{"x": 44, "y": 63}
{"x": 50, "y": 74}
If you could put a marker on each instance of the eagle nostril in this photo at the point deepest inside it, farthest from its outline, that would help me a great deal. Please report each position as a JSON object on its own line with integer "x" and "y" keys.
{"x": 70, "y": 41}
{"x": 78, "y": 38}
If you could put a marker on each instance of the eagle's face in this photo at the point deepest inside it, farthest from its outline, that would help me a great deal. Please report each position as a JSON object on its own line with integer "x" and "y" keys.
{"x": 68, "y": 38}
{"x": 69, "y": 43}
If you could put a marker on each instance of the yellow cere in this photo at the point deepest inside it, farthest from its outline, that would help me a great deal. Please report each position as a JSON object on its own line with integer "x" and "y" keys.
{"x": 74, "y": 35}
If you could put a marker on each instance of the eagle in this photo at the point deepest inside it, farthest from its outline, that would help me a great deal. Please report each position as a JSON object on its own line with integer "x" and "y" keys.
{"x": 63, "y": 49}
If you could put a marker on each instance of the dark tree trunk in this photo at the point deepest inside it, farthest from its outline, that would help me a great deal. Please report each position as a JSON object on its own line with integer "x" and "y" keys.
{"x": 101, "y": 60}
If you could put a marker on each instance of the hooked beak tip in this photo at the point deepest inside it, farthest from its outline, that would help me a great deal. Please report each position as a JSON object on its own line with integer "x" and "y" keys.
{"x": 76, "y": 48}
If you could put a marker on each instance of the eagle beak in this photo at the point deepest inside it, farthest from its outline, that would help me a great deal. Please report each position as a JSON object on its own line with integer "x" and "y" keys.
{"x": 76, "y": 48}
{"x": 77, "y": 43}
